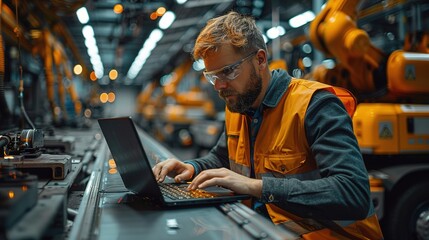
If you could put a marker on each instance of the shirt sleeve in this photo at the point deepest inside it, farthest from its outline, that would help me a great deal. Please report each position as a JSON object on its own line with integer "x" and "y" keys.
{"x": 342, "y": 191}
{"x": 216, "y": 158}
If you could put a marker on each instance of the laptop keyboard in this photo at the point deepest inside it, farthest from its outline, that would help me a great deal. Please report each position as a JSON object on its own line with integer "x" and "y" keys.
{"x": 181, "y": 192}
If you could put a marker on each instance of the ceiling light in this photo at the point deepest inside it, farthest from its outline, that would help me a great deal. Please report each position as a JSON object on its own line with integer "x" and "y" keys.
{"x": 88, "y": 31}
{"x": 144, "y": 53}
{"x": 111, "y": 97}
{"x": 92, "y": 76}
{"x": 93, "y": 51}
{"x": 104, "y": 97}
{"x": 95, "y": 59}
{"x": 181, "y": 1}
{"x": 113, "y": 74}
{"x": 301, "y": 19}
{"x": 275, "y": 32}
{"x": 166, "y": 20}
{"x": 118, "y": 8}
{"x": 98, "y": 69}
{"x": 153, "y": 16}
{"x": 281, "y": 30}
{"x": 156, "y": 35}
{"x": 160, "y": 11}
{"x": 90, "y": 42}
{"x": 77, "y": 69}
{"x": 82, "y": 15}
{"x": 149, "y": 45}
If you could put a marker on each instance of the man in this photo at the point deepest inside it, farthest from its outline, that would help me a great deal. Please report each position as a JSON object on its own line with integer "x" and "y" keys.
{"x": 289, "y": 143}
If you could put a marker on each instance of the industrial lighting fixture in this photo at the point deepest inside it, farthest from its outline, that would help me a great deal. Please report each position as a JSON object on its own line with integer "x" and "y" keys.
{"x": 104, "y": 97}
{"x": 181, "y": 1}
{"x": 118, "y": 8}
{"x": 82, "y": 15}
{"x": 113, "y": 74}
{"x": 111, "y": 97}
{"x": 77, "y": 69}
{"x": 92, "y": 49}
{"x": 90, "y": 42}
{"x": 301, "y": 19}
{"x": 144, "y": 53}
{"x": 166, "y": 20}
{"x": 92, "y": 76}
{"x": 275, "y": 32}
{"x": 153, "y": 16}
{"x": 160, "y": 11}
{"x": 88, "y": 32}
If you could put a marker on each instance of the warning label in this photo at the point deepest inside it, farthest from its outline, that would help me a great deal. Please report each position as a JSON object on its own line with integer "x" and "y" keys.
{"x": 410, "y": 72}
{"x": 385, "y": 130}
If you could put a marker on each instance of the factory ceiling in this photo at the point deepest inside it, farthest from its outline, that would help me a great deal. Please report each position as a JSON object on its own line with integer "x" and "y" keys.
{"x": 120, "y": 37}
{"x": 120, "y": 33}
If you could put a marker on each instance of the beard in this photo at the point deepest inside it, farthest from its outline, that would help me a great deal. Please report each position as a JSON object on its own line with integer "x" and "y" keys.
{"x": 243, "y": 101}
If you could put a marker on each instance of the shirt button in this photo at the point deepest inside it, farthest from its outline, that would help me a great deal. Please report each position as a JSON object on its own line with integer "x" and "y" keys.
{"x": 255, "y": 120}
{"x": 283, "y": 168}
{"x": 271, "y": 198}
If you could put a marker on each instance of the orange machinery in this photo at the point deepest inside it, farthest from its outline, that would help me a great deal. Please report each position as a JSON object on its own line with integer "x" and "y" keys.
{"x": 56, "y": 61}
{"x": 391, "y": 121}
{"x": 180, "y": 103}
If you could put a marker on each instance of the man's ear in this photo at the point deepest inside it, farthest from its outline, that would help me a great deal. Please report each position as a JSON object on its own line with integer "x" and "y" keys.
{"x": 262, "y": 59}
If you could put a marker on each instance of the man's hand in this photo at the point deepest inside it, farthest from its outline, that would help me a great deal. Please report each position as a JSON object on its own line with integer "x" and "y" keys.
{"x": 228, "y": 179}
{"x": 173, "y": 168}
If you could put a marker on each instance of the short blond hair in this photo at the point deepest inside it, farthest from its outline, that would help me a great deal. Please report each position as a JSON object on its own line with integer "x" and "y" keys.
{"x": 233, "y": 28}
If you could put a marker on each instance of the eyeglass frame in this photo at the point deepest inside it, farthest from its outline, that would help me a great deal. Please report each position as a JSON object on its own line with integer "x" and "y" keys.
{"x": 232, "y": 66}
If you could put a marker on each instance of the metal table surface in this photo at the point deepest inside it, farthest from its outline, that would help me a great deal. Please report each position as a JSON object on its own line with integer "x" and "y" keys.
{"x": 109, "y": 211}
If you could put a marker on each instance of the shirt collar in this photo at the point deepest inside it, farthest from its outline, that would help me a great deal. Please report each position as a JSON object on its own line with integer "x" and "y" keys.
{"x": 279, "y": 83}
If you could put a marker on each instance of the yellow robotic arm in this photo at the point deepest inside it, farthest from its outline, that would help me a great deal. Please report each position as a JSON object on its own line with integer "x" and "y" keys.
{"x": 335, "y": 33}
{"x": 56, "y": 62}
{"x": 178, "y": 74}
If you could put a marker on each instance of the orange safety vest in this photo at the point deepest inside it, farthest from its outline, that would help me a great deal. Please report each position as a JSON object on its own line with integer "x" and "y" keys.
{"x": 286, "y": 151}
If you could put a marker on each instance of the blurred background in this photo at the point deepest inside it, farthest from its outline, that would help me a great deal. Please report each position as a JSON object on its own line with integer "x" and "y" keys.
{"x": 64, "y": 64}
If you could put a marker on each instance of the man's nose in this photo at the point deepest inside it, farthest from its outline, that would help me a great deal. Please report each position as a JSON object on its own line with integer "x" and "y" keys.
{"x": 220, "y": 84}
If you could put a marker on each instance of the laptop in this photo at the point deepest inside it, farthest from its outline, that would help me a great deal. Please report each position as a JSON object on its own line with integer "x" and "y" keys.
{"x": 135, "y": 169}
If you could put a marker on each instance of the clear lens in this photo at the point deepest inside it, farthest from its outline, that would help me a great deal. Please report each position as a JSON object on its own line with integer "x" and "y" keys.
{"x": 210, "y": 77}
{"x": 227, "y": 73}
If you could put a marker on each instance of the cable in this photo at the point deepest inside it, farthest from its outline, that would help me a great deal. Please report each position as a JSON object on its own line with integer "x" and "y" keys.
{"x": 21, "y": 80}
{"x": 4, "y": 141}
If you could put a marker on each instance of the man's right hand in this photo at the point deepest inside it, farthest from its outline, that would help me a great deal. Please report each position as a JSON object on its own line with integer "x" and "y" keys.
{"x": 173, "y": 168}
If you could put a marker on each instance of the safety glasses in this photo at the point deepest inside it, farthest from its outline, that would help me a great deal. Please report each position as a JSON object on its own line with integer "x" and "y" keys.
{"x": 227, "y": 73}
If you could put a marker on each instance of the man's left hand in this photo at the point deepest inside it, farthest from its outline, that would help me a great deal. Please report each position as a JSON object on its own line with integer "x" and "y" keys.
{"x": 228, "y": 179}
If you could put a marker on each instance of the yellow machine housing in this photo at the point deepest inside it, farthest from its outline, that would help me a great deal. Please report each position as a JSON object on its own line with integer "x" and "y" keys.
{"x": 386, "y": 128}
{"x": 407, "y": 72}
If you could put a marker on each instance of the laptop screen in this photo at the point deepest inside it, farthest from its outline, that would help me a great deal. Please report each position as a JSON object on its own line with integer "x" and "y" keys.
{"x": 131, "y": 160}
{"x": 136, "y": 172}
